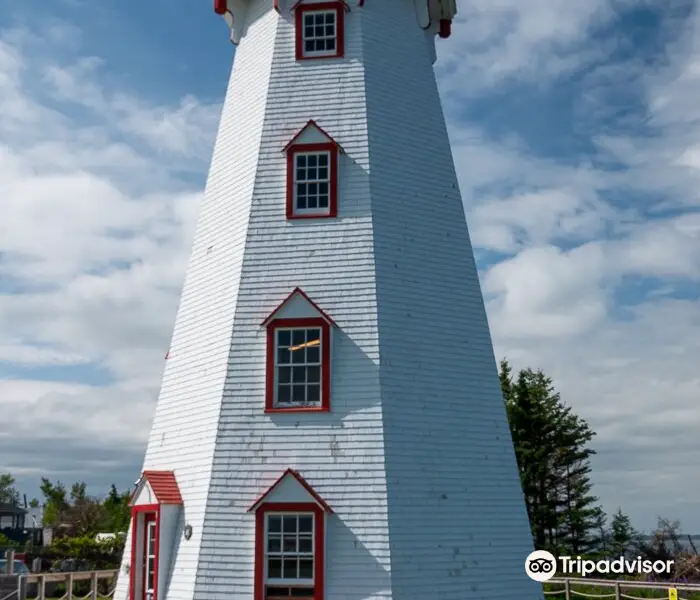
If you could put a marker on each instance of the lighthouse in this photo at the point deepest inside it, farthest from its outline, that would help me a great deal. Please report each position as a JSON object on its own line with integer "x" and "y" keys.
{"x": 330, "y": 424}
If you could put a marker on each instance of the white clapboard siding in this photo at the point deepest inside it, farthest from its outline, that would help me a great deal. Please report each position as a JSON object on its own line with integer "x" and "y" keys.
{"x": 415, "y": 457}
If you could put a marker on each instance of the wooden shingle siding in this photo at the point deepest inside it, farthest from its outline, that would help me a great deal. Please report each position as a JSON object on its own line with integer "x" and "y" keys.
{"x": 185, "y": 424}
{"x": 339, "y": 454}
{"x": 456, "y": 510}
{"x": 415, "y": 457}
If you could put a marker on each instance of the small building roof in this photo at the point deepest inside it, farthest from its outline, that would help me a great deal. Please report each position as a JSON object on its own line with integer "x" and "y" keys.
{"x": 11, "y": 509}
{"x": 163, "y": 484}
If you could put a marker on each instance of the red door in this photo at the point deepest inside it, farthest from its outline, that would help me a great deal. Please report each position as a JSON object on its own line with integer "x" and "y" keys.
{"x": 149, "y": 557}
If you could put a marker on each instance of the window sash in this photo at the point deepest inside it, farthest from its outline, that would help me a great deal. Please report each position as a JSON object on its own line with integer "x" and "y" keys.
{"x": 296, "y": 555}
{"x": 315, "y": 181}
{"x": 150, "y": 570}
{"x": 307, "y": 38}
{"x": 293, "y": 366}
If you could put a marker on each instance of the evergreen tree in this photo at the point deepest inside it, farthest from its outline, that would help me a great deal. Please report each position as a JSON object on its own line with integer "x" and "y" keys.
{"x": 551, "y": 445}
{"x": 533, "y": 437}
{"x": 601, "y": 519}
{"x": 117, "y": 510}
{"x": 622, "y": 535}
{"x": 8, "y": 492}
{"x": 578, "y": 511}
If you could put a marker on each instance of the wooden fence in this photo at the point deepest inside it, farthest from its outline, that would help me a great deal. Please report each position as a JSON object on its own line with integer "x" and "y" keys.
{"x": 44, "y": 586}
{"x": 571, "y": 588}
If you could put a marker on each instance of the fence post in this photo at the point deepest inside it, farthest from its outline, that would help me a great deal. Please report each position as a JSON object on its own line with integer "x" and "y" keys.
{"x": 69, "y": 586}
{"x": 10, "y": 562}
{"x": 93, "y": 586}
{"x": 41, "y": 585}
{"x": 22, "y": 587}
{"x": 617, "y": 591}
{"x": 567, "y": 589}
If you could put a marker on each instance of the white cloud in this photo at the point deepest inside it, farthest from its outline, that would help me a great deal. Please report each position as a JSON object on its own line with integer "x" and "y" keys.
{"x": 525, "y": 220}
{"x": 544, "y": 292}
{"x": 95, "y": 234}
{"x": 599, "y": 254}
{"x": 502, "y": 40}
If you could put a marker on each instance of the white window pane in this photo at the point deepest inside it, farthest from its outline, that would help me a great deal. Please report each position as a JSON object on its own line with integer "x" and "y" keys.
{"x": 298, "y": 368}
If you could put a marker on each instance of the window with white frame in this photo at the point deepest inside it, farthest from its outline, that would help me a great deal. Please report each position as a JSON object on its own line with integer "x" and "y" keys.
{"x": 312, "y": 182}
{"x": 289, "y": 554}
{"x": 150, "y": 559}
{"x": 319, "y": 34}
{"x": 298, "y": 356}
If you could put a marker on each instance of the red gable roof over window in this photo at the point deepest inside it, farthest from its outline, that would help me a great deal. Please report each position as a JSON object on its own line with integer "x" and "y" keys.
{"x": 320, "y": 501}
{"x": 312, "y": 125}
{"x": 164, "y": 486}
{"x": 276, "y": 4}
{"x": 298, "y": 292}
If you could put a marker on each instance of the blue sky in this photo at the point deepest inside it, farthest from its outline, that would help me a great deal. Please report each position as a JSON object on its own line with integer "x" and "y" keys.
{"x": 576, "y": 135}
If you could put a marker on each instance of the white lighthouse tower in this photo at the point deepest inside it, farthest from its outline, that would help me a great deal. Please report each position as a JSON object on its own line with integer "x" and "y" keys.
{"x": 330, "y": 424}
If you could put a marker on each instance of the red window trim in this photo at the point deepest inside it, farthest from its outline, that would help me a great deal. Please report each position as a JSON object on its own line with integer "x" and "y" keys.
{"x": 323, "y": 325}
{"x": 319, "y": 543}
{"x": 339, "y": 7}
{"x": 134, "y": 571}
{"x": 333, "y": 201}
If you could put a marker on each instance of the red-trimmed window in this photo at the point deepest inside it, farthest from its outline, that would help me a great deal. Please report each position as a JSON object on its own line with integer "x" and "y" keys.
{"x": 312, "y": 181}
{"x": 289, "y": 552}
{"x": 320, "y": 30}
{"x": 298, "y": 365}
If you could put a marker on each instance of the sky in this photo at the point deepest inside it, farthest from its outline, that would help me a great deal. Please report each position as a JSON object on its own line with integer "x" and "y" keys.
{"x": 575, "y": 128}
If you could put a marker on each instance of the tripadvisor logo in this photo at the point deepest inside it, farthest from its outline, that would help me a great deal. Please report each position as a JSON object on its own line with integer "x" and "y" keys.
{"x": 542, "y": 566}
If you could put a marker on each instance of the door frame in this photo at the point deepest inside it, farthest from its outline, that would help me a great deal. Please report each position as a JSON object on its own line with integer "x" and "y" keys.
{"x": 141, "y": 515}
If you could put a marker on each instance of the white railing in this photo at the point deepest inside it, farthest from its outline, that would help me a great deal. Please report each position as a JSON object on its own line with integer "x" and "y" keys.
{"x": 69, "y": 580}
{"x": 665, "y": 589}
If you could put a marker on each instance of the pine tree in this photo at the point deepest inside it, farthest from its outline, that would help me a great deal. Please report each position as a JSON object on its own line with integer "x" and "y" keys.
{"x": 622, "y": 534}
{"x": 600, "y": 520}
{"x": 8, "y": 491}
{"x": 578, "y": 510}
{"x": 551, "y": 445}
{"x": 533, "y": 436}
{"x": 117, "y": 508}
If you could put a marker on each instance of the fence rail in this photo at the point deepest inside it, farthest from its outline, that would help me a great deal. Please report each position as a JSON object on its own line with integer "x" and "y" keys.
{"x": 568, "y": 587}
{"x": 40, "y": 580}
{"x": 617, "y": 586}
